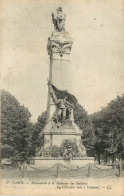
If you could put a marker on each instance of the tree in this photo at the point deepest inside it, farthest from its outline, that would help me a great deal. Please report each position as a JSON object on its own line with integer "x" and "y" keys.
{"x": 82, "y": 119}
{"x": 88, "y": 139}
{"x": 109, "y": 128}
{"x": 37, "y": 138}
{"x": 80, "y": 116}
{"x": 14, "y": 127}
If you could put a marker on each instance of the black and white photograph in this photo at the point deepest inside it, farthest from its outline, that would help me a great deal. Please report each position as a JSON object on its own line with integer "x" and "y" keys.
{"x": 62, "y": 97}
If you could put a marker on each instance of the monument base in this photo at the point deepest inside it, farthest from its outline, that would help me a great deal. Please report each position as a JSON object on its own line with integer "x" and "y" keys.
{"x": 47, "y": 162}
{"x": 56, "y": 135}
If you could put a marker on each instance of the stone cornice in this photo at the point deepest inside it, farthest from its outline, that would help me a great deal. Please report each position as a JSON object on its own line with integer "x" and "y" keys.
{"x": 60, "y": 45}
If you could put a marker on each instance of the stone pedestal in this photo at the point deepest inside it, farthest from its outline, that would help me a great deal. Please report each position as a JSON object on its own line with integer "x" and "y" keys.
{"x": 47, "y": 162}
{"x": 54, "y": 135}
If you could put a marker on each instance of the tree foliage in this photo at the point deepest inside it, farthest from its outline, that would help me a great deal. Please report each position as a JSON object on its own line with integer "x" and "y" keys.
{"x": 109, "y": 128}
{"x": 82, "y": 119}
{"x": 15, "y": 127}
{"x": 80, "y": 116}
{"x": 37, "y": 138}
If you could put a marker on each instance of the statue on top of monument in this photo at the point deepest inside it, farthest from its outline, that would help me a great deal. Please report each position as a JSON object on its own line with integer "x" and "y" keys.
{"x": 58, "y": 18}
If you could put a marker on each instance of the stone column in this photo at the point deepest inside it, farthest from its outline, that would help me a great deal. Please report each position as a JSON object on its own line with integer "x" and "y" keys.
{"x": 59, "y": 49}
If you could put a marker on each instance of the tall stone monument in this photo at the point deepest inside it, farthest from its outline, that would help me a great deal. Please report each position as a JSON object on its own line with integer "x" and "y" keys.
{"x": 60, "y": 121}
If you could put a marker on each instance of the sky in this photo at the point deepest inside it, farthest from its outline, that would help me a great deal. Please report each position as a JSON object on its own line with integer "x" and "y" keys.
{"x": 97, "y": 56}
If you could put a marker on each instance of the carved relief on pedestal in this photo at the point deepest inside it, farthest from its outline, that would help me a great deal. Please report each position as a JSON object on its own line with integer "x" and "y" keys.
{"x": 57, "y": 47}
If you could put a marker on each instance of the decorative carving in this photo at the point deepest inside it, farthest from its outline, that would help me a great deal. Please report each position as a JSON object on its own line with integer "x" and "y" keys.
{"x": 58, "y": 18}
{"x": 61, "y": 48}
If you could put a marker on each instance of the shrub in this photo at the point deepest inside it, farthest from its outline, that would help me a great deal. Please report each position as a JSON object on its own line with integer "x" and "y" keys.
{"x": 55, "y": 151}
{"x": 46, "y": 152}
{"x": 69, "y": 149}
